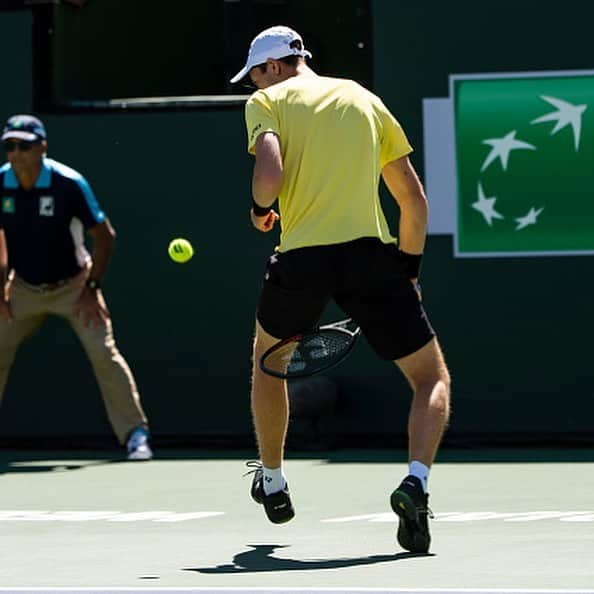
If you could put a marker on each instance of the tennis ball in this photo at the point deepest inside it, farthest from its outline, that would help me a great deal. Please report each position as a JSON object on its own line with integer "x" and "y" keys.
{"x": 180, "y": 250}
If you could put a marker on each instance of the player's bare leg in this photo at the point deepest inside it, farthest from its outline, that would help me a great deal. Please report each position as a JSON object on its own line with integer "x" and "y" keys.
{"x": 270, "y": 412}
{"x": 429, "y": 378}
{"x": 270, "y": 405}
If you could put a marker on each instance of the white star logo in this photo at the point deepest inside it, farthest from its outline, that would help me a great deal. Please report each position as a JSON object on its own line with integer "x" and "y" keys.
{"x": 502, "y": 148}
{"x": 529, "y": 219}
{"x": 567, "y": 114}
{"x": 486, "y": 206}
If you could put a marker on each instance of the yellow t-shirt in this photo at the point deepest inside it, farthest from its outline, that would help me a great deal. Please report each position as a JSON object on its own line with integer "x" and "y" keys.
{"x": 335, "y": 138}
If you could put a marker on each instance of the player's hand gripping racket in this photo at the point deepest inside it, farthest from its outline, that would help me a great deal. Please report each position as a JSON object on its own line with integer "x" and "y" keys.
{"x": 311, "y": 352}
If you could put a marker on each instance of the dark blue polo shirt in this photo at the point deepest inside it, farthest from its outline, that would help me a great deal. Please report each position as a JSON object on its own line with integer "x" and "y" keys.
{"x": 44, "y": 226}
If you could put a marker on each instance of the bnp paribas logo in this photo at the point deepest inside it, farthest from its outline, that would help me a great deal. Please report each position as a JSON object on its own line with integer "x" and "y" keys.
{"x": 525, "y": 166}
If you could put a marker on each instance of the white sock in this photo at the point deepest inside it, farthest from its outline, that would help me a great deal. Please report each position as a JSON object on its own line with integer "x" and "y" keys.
{"x": 421, "y": 471}
{"x": 274, "y": 480}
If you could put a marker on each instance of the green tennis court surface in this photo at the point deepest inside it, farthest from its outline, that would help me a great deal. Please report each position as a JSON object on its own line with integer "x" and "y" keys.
{"x": 505, "y": 520}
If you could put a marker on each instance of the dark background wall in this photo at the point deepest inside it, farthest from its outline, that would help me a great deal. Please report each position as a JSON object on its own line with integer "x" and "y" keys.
{"x": 516, "y": 332}
{"x": 144, "y": 48}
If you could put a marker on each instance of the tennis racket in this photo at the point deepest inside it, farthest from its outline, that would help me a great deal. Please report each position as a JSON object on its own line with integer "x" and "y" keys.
{"x": 311, "y": 352}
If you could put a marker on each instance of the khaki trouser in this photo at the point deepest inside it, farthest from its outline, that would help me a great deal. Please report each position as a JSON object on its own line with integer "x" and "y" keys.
{"x": 30, "y": 308}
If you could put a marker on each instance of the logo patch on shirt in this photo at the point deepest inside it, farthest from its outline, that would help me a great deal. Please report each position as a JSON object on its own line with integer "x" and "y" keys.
{"x": 8, "y": 204}
{"x": 255, "y": 131}
{"x": 46, "y": 206}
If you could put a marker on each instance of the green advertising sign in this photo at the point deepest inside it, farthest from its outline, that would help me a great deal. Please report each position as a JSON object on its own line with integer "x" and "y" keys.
{"x": 525, "y": 164}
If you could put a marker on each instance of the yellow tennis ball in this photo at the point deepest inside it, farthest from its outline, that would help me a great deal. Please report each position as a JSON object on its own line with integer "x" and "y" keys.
{"x": 180, "y": 250}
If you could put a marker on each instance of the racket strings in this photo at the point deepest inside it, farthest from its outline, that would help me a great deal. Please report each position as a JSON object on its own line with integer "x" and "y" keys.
{"x": 311, "y": 353}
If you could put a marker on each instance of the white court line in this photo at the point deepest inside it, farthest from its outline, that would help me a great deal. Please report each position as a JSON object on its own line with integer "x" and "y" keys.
{"x": 533, "y": 516}
{"x": 274, "y": 590}
{"x": 108, "y": 516}
{"x": 162, "y": 516}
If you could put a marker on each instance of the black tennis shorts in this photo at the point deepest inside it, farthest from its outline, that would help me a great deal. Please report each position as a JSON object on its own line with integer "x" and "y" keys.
{"x": 365, "y": 278}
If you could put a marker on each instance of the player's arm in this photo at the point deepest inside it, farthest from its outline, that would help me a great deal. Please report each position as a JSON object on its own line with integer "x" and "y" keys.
{"x": 103, "y": 236}
{"x": 406, "y": 188}
{"x": 3, "y": 259}
{"x": 267, "y": 180}
{"x": 4, "y": 295}
{"x": 89, "y": 306}
{"x": 85, "y": 207}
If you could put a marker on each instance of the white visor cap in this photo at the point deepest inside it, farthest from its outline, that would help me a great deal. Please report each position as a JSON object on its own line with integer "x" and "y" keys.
{"x": 273, "y": 43}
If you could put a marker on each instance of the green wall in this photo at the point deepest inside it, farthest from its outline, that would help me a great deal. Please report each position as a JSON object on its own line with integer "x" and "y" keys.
{"x": 516, "y": 332}
{"x": 16, "y": 93}
{"x": 417, "y": 45}
{"x": 144, "y": 48}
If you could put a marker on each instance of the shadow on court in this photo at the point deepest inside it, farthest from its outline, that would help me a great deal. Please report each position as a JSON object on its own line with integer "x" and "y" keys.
{"x": 48, "y": 459}
{"x": 260, "y": 559}
{"x": 55, "y": 461}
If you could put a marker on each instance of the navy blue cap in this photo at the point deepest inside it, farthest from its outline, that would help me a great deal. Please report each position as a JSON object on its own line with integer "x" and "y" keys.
{"x": 25, "y": 127}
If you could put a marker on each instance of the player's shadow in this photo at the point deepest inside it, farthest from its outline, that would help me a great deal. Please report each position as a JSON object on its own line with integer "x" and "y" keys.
{"x": 259, "y": 559}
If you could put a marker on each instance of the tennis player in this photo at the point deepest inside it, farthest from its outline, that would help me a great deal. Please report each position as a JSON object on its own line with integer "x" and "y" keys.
{"x": 321, "y": 145}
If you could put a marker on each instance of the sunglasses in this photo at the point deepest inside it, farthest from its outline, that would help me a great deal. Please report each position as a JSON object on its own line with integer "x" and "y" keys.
{"x": 22, "y": 145}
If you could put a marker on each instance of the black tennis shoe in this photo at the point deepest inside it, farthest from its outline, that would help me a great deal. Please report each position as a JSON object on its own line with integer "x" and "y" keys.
{"x": 278, "y": 506}
{"x": 409, "y": 502}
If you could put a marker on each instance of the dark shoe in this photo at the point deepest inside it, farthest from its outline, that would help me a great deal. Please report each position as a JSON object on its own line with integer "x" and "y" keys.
{"x": 409, "y": 502}
{"x": 278, "y": 506}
